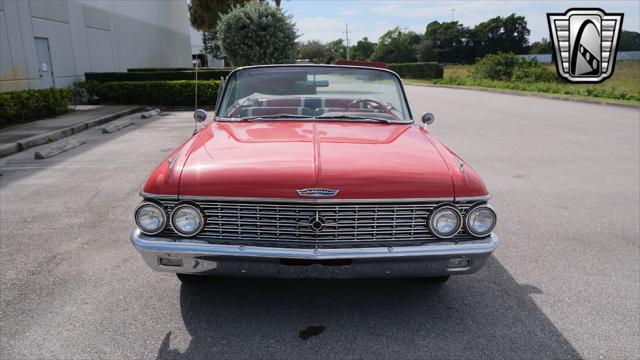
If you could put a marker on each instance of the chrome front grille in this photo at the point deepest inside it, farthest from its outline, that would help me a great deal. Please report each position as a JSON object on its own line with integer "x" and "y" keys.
{"x": 321, "y": 225}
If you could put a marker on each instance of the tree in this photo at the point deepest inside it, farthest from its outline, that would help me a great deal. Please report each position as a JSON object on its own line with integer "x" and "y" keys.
{"x": 257, "y": 33}
{"x": 337, "y": 50}
{"x": 450, "y": 42}
{"x": 204, "y": 16}
{"x": 629, "y": 41}
{"x": 314, "y": 51}
{"x": 426, "y": 51}
{"x": 363, "y": 49}
{"x": 396, "y": 46}
{"x": 500, "y": 34}
{"x": 540, "y": 47}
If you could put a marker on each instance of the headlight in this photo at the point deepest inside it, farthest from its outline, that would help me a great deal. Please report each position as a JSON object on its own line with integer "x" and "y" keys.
{"x": 445, "y": 221}
{"x": 187, "y": 220}
{"x": 481, "y": 220}
{"x": 150, "y": 218}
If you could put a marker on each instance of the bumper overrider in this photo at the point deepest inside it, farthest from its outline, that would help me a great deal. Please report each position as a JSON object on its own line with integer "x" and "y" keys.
{"x": 436, "y": 259}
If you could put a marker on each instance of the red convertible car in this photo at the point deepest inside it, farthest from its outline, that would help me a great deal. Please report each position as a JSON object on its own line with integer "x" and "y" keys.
{"x": 314, "y": 171}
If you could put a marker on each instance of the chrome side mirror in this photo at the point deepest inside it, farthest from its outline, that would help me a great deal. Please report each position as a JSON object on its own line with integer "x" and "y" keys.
{"x": 427, "y": 119}
{"x": 199, "y": 116}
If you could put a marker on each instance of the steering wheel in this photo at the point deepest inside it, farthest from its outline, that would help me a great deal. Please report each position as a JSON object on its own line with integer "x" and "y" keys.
{"x": 376, "y": 105}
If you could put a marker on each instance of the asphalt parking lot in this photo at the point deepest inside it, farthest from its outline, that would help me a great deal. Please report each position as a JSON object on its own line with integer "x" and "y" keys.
{"x": 565, "y": 283}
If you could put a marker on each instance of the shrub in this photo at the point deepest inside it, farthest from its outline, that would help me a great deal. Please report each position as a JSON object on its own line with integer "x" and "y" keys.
{"x": 159, "y": 93}
{"x": 496, "y": 66}
{"x": 509, "y": 67}
{"x": 90, "y": 87}
{"x": 28, "y": 105}
{"x": 534, "y": 73}
{"x": 257, "y": 33}
{"x": 425, "y": 70}
{"x": 210, "y": 74}
{"x": 596, "y": 91}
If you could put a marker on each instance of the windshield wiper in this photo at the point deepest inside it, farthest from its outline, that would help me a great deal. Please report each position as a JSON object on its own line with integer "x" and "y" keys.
{"x": 277, "y": 116}
{"x": 355, "y": 117}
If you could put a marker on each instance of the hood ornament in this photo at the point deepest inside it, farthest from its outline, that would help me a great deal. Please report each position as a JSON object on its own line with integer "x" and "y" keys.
{"x": 317, "y": 192}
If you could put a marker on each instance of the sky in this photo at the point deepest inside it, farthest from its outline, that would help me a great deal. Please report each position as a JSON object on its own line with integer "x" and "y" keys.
{"x": 325, "y": 20}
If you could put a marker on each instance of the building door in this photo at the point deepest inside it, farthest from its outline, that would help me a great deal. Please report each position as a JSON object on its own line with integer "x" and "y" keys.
{"x": 45, "y": 67}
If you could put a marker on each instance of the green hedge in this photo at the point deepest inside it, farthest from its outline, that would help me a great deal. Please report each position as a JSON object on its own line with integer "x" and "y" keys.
{"x": 425, "y": 70}
{"x": 175, "y": 69}
{"x": 211, "y": 74}
{"x": 555, "y": 87}
{"x": 28, "y": 105}
{"x": 158, "y": 93}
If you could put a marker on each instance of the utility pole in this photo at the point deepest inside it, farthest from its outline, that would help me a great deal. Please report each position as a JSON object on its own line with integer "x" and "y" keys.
{"x": 346, "y": 32}
{"x": 453, "y": 14}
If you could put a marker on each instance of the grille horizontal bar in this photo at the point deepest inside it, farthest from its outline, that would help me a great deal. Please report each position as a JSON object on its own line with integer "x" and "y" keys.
{"x": 339, "y": 225}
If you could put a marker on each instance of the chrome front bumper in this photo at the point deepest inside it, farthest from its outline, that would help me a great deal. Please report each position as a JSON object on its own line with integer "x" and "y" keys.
{"x": 164, "y": 254}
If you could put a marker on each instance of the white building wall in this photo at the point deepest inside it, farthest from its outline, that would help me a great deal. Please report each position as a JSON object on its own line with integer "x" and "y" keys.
{"x": 90, "y": 36}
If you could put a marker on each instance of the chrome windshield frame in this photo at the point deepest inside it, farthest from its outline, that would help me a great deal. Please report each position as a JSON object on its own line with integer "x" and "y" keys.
{"x": 403, "y": 94}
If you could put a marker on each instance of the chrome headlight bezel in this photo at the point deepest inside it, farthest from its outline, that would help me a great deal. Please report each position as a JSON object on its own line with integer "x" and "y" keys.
{"x": 157, "y": 207}
{"x": 196, "y": 210}
{"x": 476, "y": 208}
{"x": 432, "y": 217}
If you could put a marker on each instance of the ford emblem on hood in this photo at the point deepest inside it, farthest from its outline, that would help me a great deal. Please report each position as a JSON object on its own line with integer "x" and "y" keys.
{"x": 317, "y": 192}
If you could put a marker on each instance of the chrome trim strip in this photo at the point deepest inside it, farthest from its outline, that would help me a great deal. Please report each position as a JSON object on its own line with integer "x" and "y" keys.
{"x": 156, "y": 245}
{"x": 312, "y": 201}
{"x": 474, "y": 198}
{"x": 158, "y": 196}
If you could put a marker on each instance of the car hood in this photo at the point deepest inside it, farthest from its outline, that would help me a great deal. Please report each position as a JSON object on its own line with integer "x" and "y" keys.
{"x": 274, "y": 159}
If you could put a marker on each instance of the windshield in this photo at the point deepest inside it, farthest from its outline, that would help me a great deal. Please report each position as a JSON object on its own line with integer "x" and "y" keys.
{"x": 313, "y": 92}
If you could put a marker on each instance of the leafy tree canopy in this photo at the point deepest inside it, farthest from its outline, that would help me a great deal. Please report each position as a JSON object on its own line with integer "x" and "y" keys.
{"x": 204, "y": 14}
{"x": 541, "y": 47}
{"x": 426, "y": 51}
{"x": 337, "y": 50}
{"x": 314, "y": 51}
{"x": 450, "y": 41}
{"x": 629, "y": 41}
{"x": 363, "y": 49}
{"x": 257, "y": 33}
{"x": 498, "y": 34}
{"x": 396, "y": 46}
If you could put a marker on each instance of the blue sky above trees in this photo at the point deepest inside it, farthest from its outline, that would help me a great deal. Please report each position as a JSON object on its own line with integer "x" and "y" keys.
{"x": 324, "y": 20}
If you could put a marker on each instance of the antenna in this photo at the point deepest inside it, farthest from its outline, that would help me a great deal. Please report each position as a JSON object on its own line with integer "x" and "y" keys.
{"x": 195, "y": 125}
{"x": 453, "y": 14}
{"x": 346, "y": 32}
{"x": 196, "y": 99}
